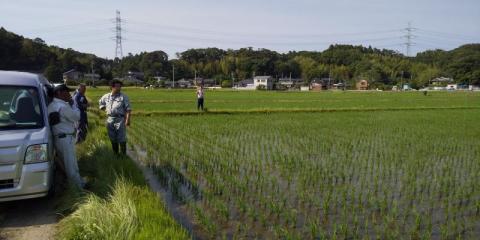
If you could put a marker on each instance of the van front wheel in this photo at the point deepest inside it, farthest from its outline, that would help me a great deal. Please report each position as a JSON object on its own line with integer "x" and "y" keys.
{"x": 53, "y": 185}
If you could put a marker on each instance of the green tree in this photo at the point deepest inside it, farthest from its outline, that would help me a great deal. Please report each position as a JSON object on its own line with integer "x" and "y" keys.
{"x": 307, "y": 67}
{"x": 53, "y": 73}
{"x": 226, "y": 84}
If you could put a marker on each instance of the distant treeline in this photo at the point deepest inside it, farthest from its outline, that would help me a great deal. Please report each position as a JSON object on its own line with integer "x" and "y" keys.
{"x": 340, "y": 62}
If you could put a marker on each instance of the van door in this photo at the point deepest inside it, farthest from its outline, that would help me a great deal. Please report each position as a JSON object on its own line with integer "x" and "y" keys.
{"x": 21, "y": 116}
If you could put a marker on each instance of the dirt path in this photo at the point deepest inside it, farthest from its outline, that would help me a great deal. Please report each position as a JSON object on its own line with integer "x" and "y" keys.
{"x": 28, "y": 219}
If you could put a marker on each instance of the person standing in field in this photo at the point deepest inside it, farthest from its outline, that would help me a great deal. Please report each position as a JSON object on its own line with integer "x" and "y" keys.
{"x": 62, "y": 114}
{"x": 118, "y": 109}
{"x": 200, "y": 95}
{"x": 82, "y": 104}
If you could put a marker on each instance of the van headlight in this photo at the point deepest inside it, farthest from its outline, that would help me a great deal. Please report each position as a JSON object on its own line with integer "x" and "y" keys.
{"x": 36, "y": 153}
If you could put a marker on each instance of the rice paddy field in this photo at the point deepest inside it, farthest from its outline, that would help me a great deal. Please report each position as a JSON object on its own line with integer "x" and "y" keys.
{"x": 161, "y": 100}
{"x": 334, "y": 165}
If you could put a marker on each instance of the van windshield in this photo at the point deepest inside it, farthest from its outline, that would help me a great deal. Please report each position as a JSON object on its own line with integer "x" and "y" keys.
{"x": 20, "y": 108}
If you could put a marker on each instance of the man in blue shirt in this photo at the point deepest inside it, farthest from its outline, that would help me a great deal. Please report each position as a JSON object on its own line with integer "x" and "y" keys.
{"x": 82, "y": 104}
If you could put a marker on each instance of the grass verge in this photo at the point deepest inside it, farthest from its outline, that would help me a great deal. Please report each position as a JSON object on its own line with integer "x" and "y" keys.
{"x": 119, "y": 205}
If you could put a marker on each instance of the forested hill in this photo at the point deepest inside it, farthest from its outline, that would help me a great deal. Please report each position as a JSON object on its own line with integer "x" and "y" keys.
{"x": 340, "y": 62}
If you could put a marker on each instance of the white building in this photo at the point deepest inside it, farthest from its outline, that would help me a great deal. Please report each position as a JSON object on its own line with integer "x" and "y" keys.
{"x": 452, "y": 87}
{"x": 290, "y": 82}
{"x": 92, "y": 76}
{"x": 441, "y": 81}
{"x": 266, "y": 81}
{"x": 72, "y": 76}
{"x": 406, "y": 87}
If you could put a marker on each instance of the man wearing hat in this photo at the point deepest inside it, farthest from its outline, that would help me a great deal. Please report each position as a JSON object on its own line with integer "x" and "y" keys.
{"x": 117, "y": 106}
{"x": 62, "y": 114}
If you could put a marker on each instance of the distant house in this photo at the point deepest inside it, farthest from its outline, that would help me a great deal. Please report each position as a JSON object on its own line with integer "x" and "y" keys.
{"x": 204, "y": 82}
{"x": 266, "y": 81}
{"x": 473, "y": 88}
{"x": 92, "y": 76}
{"x": 244, "y": 82}
{"x": 72, "y": 76}
{"x": 198, "y": 81}
{"x": 169, "y": 84}
{"x": 290, "y": 82}
{"x": 441, "y": 81}
{"x": 304, "y": 88}
{"x": 184, "y": 83}
{"x": 362, "y": 85}
{"x": 338, "y": 86}
{"x": 318, "y": 84}
{"x": 132, "y": 75}
{"x": 452, "y": 86}
{"x": 209, "y": 82}
{"x": 159, "y": 78}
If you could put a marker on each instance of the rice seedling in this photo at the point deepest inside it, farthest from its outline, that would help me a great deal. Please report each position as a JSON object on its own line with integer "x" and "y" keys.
{"x": 330, "y": 175}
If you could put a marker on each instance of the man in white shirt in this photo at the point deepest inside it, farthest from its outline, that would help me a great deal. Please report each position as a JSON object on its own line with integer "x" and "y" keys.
{"x": 200, "y": 98}
{"x": 63, "y": 114}
{"x": 118, "y": 109}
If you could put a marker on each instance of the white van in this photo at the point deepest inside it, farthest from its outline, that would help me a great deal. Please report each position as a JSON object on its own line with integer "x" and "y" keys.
{"x": 26, "y": 149}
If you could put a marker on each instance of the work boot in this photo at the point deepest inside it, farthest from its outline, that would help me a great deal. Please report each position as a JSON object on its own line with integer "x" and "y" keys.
{"x": 123, "y": 148}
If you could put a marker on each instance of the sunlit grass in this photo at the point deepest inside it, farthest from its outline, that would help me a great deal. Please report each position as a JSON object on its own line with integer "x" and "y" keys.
{"x": 119, "y": 204}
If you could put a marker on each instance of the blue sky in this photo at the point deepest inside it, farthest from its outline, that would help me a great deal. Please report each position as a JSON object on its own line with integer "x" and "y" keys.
{"x": 282, "y": 25}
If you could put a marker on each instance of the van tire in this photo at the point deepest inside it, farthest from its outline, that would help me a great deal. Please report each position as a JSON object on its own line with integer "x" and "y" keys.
{"x": 53, "y": 182}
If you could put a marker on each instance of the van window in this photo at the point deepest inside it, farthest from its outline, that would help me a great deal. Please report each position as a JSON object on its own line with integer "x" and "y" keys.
{"x": 20, "y": 108}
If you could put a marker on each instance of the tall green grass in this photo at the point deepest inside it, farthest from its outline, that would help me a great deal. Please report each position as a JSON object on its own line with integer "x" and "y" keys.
{"x": 112, "y": 218}
{"x": 120, "y": 204}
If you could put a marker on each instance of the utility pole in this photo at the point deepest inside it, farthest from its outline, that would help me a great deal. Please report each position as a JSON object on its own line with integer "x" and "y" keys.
{"x": 408, "y": 38}
{"x": 173, "y": 75}
{"x": 93, "y": 72}
{"x": 401, "y": 82}
{"x": 329, "y": 73}
{"x": 118, "y": 36}
{"x": 195, "y": 78}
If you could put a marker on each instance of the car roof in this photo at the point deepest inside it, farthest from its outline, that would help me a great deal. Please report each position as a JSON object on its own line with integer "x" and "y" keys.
{"x": 21, "y": 79}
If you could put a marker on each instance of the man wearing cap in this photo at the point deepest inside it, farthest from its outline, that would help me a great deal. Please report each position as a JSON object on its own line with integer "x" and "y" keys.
{"x": 117, "y": 107}
{"x": 62, "y": 114}
{"x": 82, "y": 104}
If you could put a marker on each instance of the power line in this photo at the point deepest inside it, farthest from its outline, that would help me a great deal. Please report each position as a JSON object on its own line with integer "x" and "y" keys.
{"x": 444, "y": 38}
{"x": 449, "y": 35}
{"x": 223, "y": 41}
{"x": 90, "y": 41}
{"x": 198, "y": 31}
{"x": 80, "y": 34}
{"x": 187, "y": 37}
{"x": 94, "y": 23}
{"x": 434, "y": 44}
{"x": 163, "y": 43}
